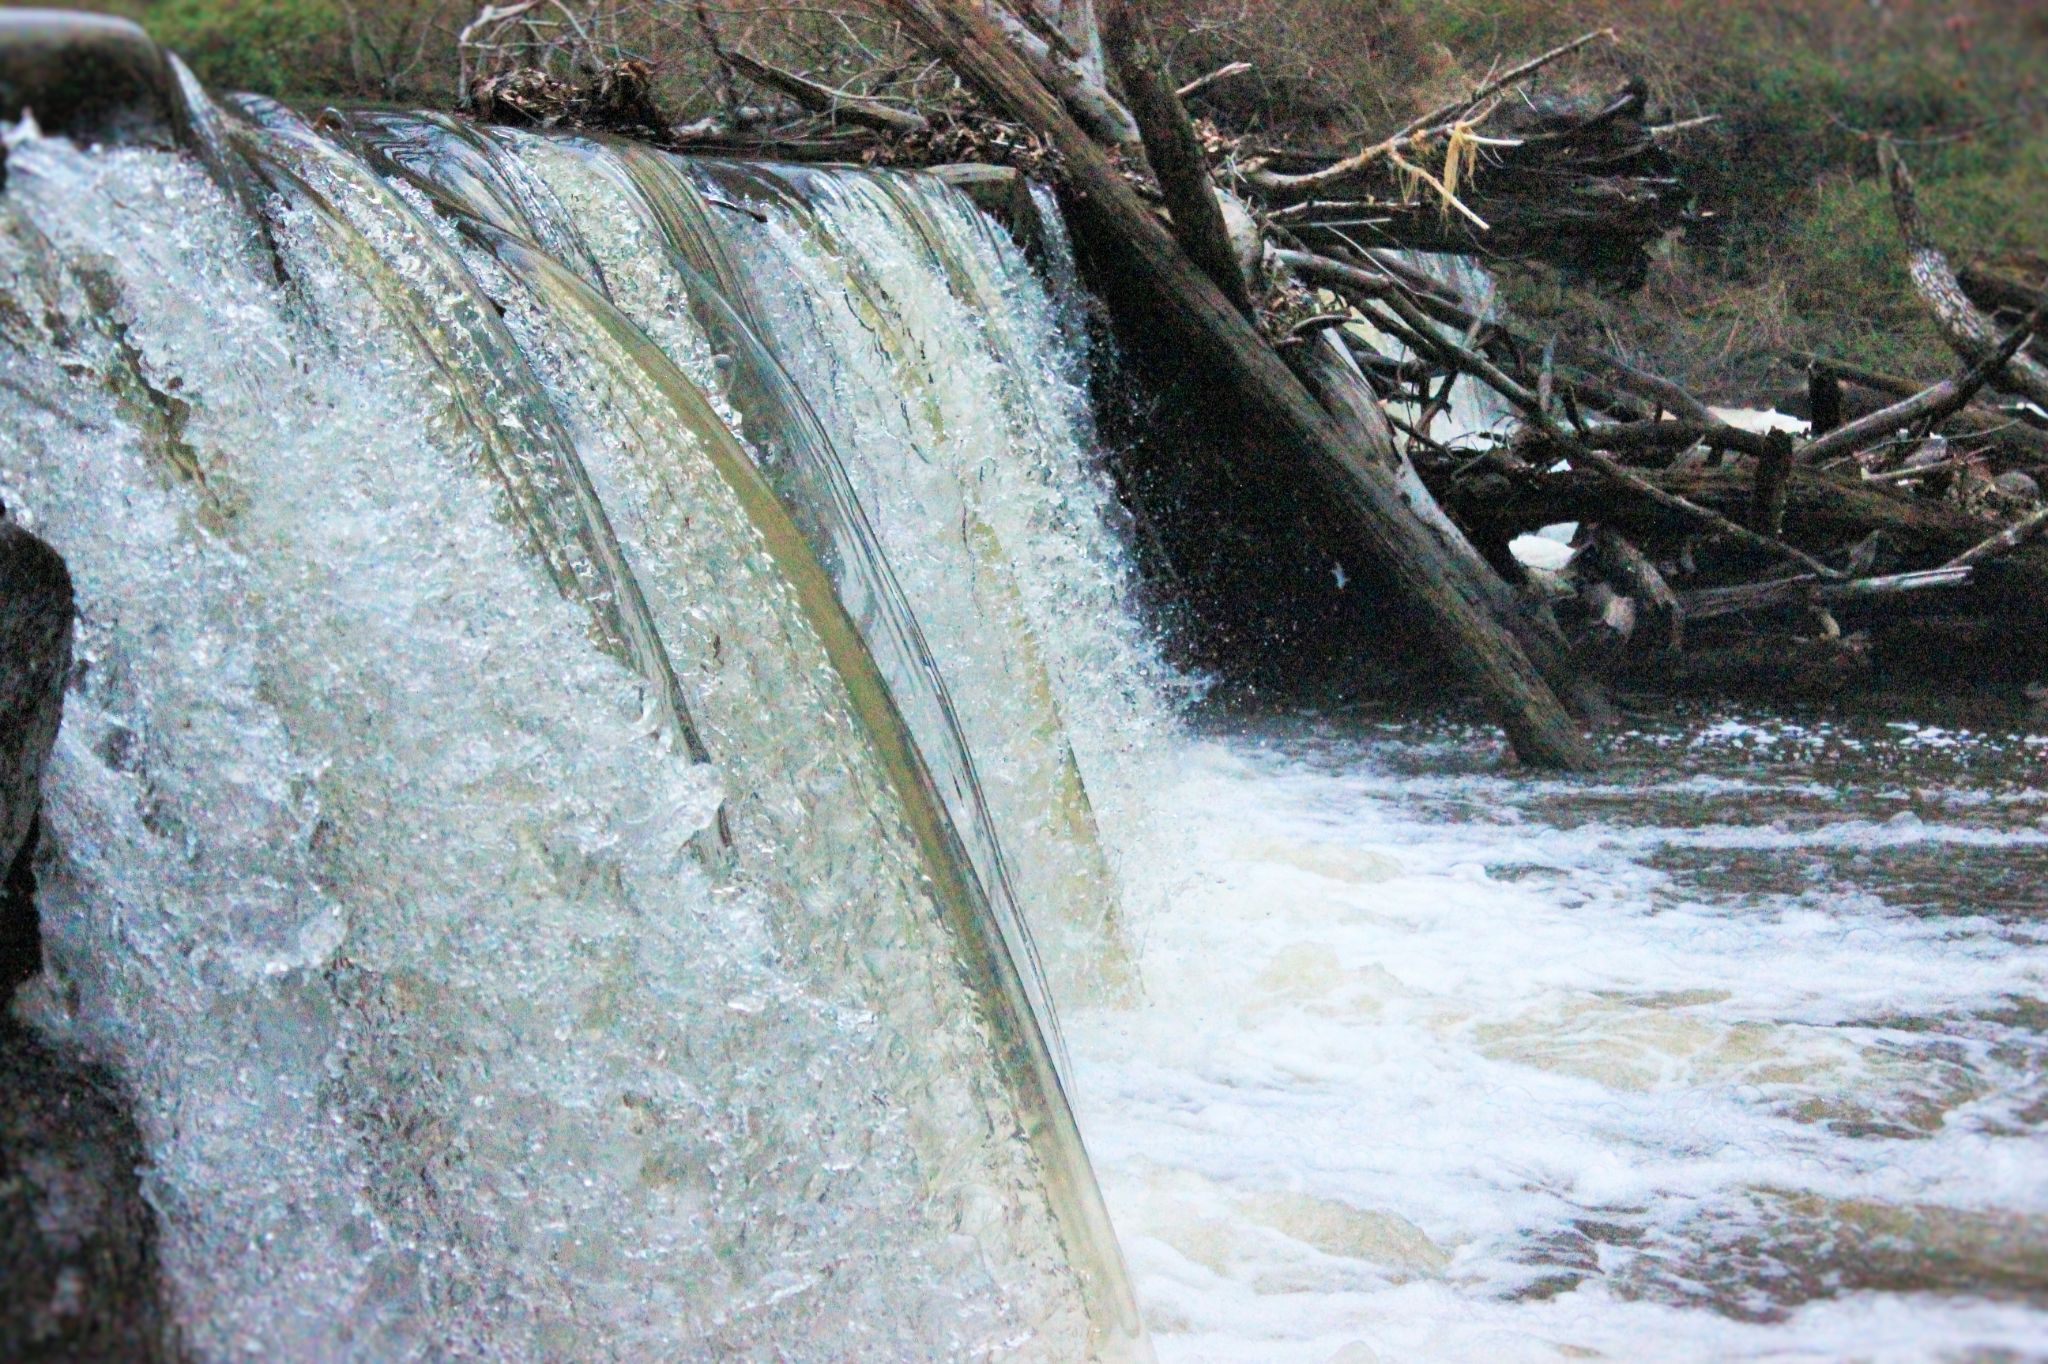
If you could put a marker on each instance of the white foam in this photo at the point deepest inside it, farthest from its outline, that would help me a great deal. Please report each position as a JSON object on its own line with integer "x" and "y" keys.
{"x": 1435, "y": 1067}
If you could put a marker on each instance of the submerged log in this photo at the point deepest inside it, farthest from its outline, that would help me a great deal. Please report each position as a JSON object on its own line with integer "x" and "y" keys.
{"x": 1158, "y": 288}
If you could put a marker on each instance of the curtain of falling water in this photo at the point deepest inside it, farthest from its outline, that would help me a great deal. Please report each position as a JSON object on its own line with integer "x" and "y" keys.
{"x": 467, "y": 1014}
{"x": 914, "y": 394}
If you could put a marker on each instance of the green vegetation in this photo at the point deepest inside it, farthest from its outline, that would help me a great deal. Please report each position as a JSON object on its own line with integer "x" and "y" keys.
{"x": 1795, "y": 248}
{"x": 306, "y": 50}
{"x": 285, "y": 48}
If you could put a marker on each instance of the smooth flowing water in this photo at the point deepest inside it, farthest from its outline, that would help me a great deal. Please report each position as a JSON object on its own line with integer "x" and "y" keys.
{"x": 616, "y": 804}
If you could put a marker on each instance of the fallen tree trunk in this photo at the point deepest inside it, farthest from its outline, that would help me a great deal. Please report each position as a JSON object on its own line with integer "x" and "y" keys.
{"x": 1158, "y": 287}
{"x": 1967, "y": 330}
{"x": 1071, "y": 74}
{"x": 1178, "y": 161}
{"x": 1329, "y": 373}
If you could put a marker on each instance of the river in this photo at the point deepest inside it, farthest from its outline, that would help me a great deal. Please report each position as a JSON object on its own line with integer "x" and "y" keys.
{"x": 615, "y": 803}
{"x": 1734, "y": 1051}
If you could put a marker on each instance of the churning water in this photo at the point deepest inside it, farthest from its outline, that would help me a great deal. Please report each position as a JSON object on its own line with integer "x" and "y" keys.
{"x": 1739, "y": 1051}
{"x": 615, "y": 805}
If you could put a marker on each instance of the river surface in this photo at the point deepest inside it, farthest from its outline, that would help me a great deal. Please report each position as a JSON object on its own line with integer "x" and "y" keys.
{"x": 1737, "y": 1050}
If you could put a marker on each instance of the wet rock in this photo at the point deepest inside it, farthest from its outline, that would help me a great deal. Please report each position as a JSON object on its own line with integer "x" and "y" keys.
{"x": 88, "y": 77}
{"x": 77, "y": 1240}
{"x": 35, "y": 656}
{"x": 78, "y": 1270}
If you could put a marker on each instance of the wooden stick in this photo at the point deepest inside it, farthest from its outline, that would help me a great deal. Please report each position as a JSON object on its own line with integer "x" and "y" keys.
{"x": 1216, "y": 77}
{"x": 1975, "y": 415}
{"x": 1415, "y": 130}
{"x": 1709, "y": 602}
{"x": 2012, "y": 537}
{"x": 1967, "y": 330}
{"x": 1512, "y": 77}
{"x": 1574, "y": 448}
{"x": 823, "y": 99}
{"x": 1929, "y": 404}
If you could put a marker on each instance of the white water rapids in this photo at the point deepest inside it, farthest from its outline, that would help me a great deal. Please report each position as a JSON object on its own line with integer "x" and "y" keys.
{"x": 562, "y": 883}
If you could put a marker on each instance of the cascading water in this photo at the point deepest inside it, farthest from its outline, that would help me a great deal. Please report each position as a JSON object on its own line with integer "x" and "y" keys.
{"x": 609, "y": 732}
{"x": 495, "y": 841}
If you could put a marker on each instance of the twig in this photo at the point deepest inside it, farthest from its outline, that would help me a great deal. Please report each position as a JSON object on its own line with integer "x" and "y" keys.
{"x": 2012, "y": 537}
{"x": 1219, "y": 75}
{"x": 1450, "y": 352}
{"x": 1929, "y": 404}
{"x": 1514, "y": 76}
{"x": 1308, "y": 326}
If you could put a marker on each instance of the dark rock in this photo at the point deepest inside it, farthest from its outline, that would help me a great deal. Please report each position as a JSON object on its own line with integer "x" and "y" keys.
{"x": 35, "y": 657}
{"x": 78, "y": 1255}
{"x": 88, "y": 77}
{"x": 78, "y": 1263}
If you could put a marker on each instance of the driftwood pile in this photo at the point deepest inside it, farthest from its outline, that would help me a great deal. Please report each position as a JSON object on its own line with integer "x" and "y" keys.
{"x": 1710, "y": 555}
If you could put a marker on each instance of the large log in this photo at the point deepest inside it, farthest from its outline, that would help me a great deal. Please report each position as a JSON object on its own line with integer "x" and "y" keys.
{"x": 1967, "y": 330}
{"x": 1328, "y": 370}
{"x": 1156, "y": 286}
{"x": 1175, "y": 153}
{"x": 1069, "y": 72}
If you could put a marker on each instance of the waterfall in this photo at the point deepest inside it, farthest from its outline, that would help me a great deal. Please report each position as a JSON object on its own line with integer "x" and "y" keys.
{"x": 606, "y": 713}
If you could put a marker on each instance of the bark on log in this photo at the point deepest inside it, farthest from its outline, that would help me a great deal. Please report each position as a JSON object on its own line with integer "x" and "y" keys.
{"x": 1710, "y": 602}
{"x": 823, "y": 99}
{"x": 1629, "y": 571}
{"x": 1326, "y": 367}
{"x": 1823, "y": 400}
{"x": 1967, "y": 330}
{"x": 1079, "y": 89}
{"x": 1934, "y": 404}
{"x": 1175, "y": 153}
{"x": 1158, "y": 287}
{"x": 1976, "y": 417}
{"x": 1767, "y": 498}
{"x": 1074, "y": 21}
